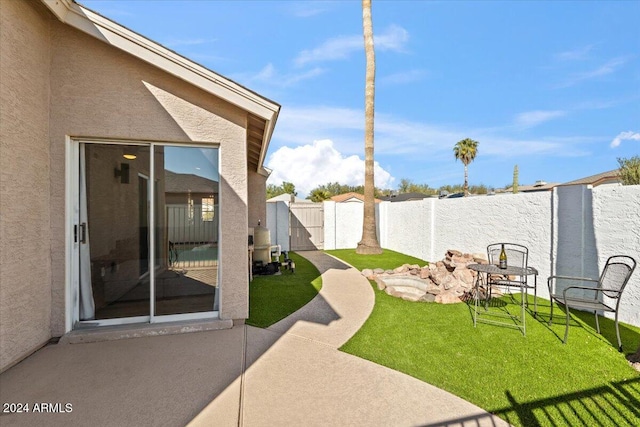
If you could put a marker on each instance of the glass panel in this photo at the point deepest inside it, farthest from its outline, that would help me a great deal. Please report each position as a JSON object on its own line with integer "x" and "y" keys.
{"x": 114, "y": 276}
{"x": 186, "y": 240}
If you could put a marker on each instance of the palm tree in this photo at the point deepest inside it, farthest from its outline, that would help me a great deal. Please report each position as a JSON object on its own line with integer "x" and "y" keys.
{"x": 466, "y": 151}
{"x": 369, "y": 243}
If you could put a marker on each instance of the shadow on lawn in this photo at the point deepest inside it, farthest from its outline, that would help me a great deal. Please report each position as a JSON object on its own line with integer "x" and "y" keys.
{"x": 586, "y": 320}
{"x": 601, "y": 404}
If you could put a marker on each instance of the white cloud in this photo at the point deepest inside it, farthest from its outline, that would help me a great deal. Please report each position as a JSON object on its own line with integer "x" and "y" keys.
{"x": 578, "y": 54}
{"x": 534, "y": 118}
{"x": 624, "y": 136}
{"x": 403, "y": 77}
{"x": 308, "y": 166}
{"x": 270, "y": 75}
{"x": 393, "y": 38}
{"x": 308, "y": 9}
{"x": 398, "y": 137}
{"x": 345, "y": 126}
{"x": 607, "y": 68}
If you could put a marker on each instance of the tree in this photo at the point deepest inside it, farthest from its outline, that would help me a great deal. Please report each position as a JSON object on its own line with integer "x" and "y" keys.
{"x": 369, "y": 243}
{"x": 465, "y": 151}
{"x": 276, "y": 190}
{"x": 289, "y": 188}
{"x": 629, "y": 170}
{"x": 404, "y": 185}
{"x": 515, "y": 179}
{"x": 319, "y": 195}
{"x": 407, "y": 186}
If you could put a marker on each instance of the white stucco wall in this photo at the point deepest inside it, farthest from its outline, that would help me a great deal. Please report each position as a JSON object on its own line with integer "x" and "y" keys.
{"x": 407, "y": 227}
{"x": 278, "y": 224}
{"x": 570, "y": 231}
{"x": 616, "y": 221}
{"x": 471, "y": 224}
{"x": 348, "y": 224}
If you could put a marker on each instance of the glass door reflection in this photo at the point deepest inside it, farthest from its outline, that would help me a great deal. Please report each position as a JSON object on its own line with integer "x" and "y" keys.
{"x": 186, "y": 240}
{"x": 114, "y": 227}
{"x": 147, "y": 222}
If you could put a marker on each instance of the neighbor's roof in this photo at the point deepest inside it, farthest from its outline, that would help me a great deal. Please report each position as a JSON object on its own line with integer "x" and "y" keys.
{"x": 287, "y": 198}
{"x": 262, "y": 112}
{"x": 186, "y": 182}
{"x": 403, "y": 197}
{"x": 609, "y": 177}
{"x": 539, "y": 186}
{"x": 348, "y": 197}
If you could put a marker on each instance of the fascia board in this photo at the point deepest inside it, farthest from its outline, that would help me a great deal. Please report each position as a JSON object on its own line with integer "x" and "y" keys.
{"x": 268, "y": 132}
{"x": 118, "y": 36}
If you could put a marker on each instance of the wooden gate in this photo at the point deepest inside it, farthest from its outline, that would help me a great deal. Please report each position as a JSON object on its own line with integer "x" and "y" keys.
{"x": 306, "y": 226}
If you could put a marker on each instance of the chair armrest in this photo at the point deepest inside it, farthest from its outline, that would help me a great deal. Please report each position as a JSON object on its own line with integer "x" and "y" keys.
{"x": 574, "y": 278}
{"x": 589, "y": 288}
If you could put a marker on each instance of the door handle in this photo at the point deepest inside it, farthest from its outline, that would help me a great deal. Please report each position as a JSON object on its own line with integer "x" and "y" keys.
{"x": 83, "y": 232}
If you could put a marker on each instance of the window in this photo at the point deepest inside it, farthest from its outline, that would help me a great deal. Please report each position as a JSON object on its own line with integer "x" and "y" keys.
{"x": 207, "y": 209}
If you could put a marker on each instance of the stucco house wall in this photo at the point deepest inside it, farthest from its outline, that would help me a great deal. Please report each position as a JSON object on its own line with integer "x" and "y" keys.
{"x": 133, "y": 100}
{"x": 257, "y": 198}
{"x": 58, "y": 83}
{"x": 25, "y": 233}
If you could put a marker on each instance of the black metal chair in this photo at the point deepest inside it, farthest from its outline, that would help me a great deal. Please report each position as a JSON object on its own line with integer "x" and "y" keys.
{"x": 611, "y": 284}
{"x": 517, "y": 256}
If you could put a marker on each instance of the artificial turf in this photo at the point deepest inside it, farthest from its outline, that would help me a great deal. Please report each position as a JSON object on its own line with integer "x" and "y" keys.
{"x": 272, "y": 298}
{"x": 527, "y": 380}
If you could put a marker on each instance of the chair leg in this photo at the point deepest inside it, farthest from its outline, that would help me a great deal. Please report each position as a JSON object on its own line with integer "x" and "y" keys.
{"x": 597, "y": 323}
{"x": 523, "y": 292}
{"x": 535, "y": 297}
{"x": 566, "y": 330}
{"x": 475, "y": 300}
{"x": 551, "y": 314}
{"x": 618, "y": 334}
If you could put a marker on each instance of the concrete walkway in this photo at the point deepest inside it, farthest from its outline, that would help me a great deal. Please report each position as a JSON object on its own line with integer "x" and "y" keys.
{"x": 290, "y": 374}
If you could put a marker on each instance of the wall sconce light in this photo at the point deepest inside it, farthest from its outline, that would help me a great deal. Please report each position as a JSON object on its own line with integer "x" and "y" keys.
{"x": 129, "y": 156}
{"x": 122, "y": 173}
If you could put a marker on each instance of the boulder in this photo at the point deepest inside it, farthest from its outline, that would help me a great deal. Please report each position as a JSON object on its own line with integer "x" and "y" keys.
{"x": 447, "y": 298}
{"x": 400, "y": 269}
{"x": 367, "y": 272}
{"x": 447, "y": 281}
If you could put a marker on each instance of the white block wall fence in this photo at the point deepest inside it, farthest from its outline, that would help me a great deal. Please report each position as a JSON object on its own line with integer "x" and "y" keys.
{"x": 571, "y": 230}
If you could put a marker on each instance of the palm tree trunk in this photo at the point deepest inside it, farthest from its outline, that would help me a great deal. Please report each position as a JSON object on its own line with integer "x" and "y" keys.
{"x": 465, "y": 188}
{"x": 369, "y": 243}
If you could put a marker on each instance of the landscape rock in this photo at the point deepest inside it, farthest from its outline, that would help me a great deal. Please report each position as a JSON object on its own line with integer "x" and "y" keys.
{"x": 448, "y": 281}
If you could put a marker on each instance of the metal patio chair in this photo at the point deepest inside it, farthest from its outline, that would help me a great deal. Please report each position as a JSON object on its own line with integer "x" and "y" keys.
{"x": 604, "y": 295}
{"x": 517, "y": 256}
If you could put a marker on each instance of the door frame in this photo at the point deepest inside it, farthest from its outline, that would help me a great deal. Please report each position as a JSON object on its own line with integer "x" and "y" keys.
{"x": 72, "y": 247}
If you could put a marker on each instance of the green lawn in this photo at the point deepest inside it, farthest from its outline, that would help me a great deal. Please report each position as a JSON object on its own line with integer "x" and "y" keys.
{"x": 528, "y": 381}
{"x": 272, "y": 298}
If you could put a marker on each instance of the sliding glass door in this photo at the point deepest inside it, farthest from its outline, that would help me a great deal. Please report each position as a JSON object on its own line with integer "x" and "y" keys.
{"x": 146, "y": 236}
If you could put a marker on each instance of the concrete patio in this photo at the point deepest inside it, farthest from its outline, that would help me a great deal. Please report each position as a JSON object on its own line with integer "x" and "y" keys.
{"x": 289, "y": 374}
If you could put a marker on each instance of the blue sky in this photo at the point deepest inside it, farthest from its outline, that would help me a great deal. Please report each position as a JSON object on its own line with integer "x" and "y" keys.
{"x": 552, "y": 86}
